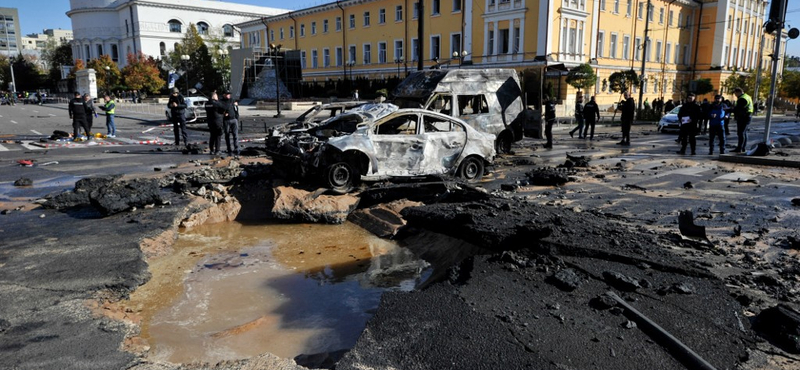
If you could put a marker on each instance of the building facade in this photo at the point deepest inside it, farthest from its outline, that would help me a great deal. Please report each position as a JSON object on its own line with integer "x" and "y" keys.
{"x": 121, "y": 27}
{"x": 10, "y": 35}
{"x": 676, "y": 40}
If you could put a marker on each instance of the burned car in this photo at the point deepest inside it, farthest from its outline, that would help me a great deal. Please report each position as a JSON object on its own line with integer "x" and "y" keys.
{"x": 322, "y": 112}
{"x": 380, "y": 142}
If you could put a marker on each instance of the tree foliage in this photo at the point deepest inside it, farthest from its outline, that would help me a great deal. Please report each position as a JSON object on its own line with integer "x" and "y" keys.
{"x": 700, "y": 86}
{"x": 622, "y": 81}
{"x": 582, "y": 77}
{"x": 26, "y": 73}
{"x": 60, "y": 56}
{"x": 142, "y": 73}
{"x": 109, "y": 79}
{"x": 77, "y": 67}
{"x": 790, "y": 86}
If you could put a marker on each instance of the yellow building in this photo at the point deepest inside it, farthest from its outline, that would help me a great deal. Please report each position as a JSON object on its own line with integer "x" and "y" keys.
{"x": 685, "y": 39}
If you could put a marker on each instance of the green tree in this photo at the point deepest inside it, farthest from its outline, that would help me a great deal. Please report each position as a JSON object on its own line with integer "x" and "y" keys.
{"x": 26, "y": 73}
{"x": 77, "y": 67}
{"x": 749, "y": 85}
{"x": 60, "y": 56}
{"x": 733, "y": 81}
{"x": 107, "y": 79}
{"x": 582, "y": 77}
{"x": 790, "y": 86}
{"x": 622, "y": 81}
{"x": 142, "y": 74}
{"x": 700, "y": 86}
{"x": 193, "y": 69}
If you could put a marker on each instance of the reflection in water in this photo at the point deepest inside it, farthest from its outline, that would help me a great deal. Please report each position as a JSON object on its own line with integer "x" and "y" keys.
{"x": 285, "y": 289}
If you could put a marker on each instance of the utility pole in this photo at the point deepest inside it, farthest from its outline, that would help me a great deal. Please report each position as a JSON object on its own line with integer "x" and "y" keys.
{"x": 13, "y": 80}
{"x": 644, "y": 54}
{"x": 420, "y": 34}
{"x": 760, "y": 60}
{"x": 776, "y": 56}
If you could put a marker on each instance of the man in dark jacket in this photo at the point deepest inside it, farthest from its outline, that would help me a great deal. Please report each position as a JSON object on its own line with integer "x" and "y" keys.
{"x": 77, "y": 112}
{"x": 578, "y": 119}
{"x": 215, "y": 111}
{"x": 689, "y": 116}
{"x": 591, "y": 113}
{"x": 231, "y": 124}
{"x": 91, "y": 113}
{"x": 628, "y": 108}
{"x": 550, "y": 119}
{"x": 177, "y": 107}
{"x": 668, "y": 106}
{"x": 705, "y": 109}
{"x": 742, "y": 110}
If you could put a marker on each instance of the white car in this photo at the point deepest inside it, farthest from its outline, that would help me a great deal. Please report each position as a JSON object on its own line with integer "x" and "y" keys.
{"x": 670, "y": 121}
{"x": 195, "y": 109}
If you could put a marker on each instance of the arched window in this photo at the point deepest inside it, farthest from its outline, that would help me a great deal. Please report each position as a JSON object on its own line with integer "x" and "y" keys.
{"x": 163, "y": 48}
{"x": 202, "y": 28}
{"x": 175, "y": 26}
{"x": 227, "y": 30}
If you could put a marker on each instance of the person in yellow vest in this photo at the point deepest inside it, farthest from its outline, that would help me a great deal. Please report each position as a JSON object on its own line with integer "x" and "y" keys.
{"x": 109, "y": 107}
{"x": 743, "y": 110}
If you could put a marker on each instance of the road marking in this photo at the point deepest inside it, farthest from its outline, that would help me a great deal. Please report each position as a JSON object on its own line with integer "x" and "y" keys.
{"x": 29, "y": 146}
{"x": 3, "y": 149}
{"x": 36, "y": 111}
{"x": 52, "y": 115}
{"x": 36, "y": 132}
{"x": 14, "y": 122}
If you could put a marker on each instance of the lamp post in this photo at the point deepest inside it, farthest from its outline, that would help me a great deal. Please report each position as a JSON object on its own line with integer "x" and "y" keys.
{"x": 105, "y": 80}
{"x": 350, "y": 64}
{"x": 460, "y": 56}
{"x": 223, "y": 53}
{"x": 275, "y": 49}
{"x": 185, "y": 61}
{"x": 399, "y": 61}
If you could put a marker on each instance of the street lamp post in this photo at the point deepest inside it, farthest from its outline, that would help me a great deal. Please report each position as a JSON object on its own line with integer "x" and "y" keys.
{"x": 185, "y": 61}
{"x": 275, "y": 49}
{"x": 350, "y": 64}
{"x": 105, "y": 82}
{"x": 399, "y": 62}
{"x": 223, "y": 53}
{"x": 460, "y": 56}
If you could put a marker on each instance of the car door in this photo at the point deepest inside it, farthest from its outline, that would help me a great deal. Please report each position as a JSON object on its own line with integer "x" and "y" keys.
{"x": 445, "y": 140}
{"x": 398, "y": 145}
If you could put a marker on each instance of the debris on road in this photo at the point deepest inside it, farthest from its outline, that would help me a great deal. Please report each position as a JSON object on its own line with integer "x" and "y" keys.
{"x": 781, "y": 326}
{"x": 688, "y": 228}
{"x": 23, "y": 181}
{"x": 294, "y": 204}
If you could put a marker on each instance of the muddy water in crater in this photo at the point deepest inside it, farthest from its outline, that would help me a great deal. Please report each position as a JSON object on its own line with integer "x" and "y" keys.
{"x": 233, "y": 291}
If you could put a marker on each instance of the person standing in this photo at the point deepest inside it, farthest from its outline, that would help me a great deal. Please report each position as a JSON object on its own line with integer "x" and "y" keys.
{"x": 231, "y": 124}
{"x": 591, "y": 113}
{"x": 549, "y": 119}
{"x": 705, "y": 109}
{"x": 578, "y": 119}
{"x": 716, "y": 124}
{"x": 669, "y": 106}
{"x": 355, "y": 95}
{"x": 109, "y": 107}
{"x": 77, "y": 113}
{"x": 689, "y": 116}
{"x": 215, "y": 111}
{"x": 177, "y": 107}
{"x": 742, "y": 111}
{"x": 628, "y": 108}
{"x": 91, "y": 113}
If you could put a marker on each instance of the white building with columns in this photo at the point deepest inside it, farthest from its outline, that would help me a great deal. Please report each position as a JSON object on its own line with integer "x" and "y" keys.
{"x": 121, "y": 27}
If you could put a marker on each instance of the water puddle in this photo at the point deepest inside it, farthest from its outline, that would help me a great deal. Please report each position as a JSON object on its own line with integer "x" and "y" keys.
{"x": 40, "y": 188}
{"x": 234, "y": 291}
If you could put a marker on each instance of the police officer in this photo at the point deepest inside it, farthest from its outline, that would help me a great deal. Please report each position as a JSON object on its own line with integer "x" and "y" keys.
{"x": 743, "y": 110}
{"x": 77, "y": 112}
{"x": 689, "y": 117}
{"x": 628, "y": 108}
{"x": 109, "y": 107}
{"x": 591, "y": 113}
{"x": 231, "y": 124}
{"x": 91, "y": 113}
{"x": 177, "y": 107}
{"x": 215, "y": 111}
{"x": 550, "y": 119}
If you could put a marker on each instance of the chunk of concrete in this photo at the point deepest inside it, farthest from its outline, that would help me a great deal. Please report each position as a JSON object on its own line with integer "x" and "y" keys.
{"x": 383, "y": 220}
{"x": 300, "y": 205}
{"x": 781, "y": 326}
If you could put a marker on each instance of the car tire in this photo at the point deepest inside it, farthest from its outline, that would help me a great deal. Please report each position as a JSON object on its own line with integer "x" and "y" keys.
{"x": 340, "y": 177}
{"x": 503, "y": 143}
{"x": 471, "y": 169}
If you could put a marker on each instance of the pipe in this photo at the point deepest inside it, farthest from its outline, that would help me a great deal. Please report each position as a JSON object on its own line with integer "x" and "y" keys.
{"x": 420, "y": 35}
{"x": 664, "y": 60}
{"x": 344, "y": 43}
{"x": 644, "y": 54}
{"x": 697, "y": 39}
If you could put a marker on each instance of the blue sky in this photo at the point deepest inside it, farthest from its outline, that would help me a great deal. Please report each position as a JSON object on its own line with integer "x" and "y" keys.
{"x": 34, "y": 16}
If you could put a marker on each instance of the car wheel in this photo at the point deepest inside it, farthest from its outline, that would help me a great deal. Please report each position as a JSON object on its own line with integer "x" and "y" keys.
{"x": 340, "y": 177}
{"x": 503, "y": 144}
{"x": 471, "y": 169}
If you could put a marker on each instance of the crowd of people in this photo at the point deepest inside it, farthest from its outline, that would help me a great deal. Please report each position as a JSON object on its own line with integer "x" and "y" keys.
{"x": 82, "y": 112}
{"x": 695, "y": 118}
{"x": 222, "y": 116}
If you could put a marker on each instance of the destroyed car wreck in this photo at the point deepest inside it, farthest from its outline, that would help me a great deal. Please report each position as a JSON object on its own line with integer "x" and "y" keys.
{"x": 378, "y": 141}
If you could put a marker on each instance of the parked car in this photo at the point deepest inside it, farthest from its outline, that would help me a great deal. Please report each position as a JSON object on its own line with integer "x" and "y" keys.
{"x": 670, "y": 121}
{"x": 195, "y": 109}
{"x": 378, "y": 143}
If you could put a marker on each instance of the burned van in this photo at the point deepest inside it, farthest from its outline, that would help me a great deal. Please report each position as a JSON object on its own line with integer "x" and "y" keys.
{"x": 489, "y": 100}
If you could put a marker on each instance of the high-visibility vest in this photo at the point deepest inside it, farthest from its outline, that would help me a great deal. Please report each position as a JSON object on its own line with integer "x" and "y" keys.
{"x": 749, "y": 100}
{"x": 109, "y": 104}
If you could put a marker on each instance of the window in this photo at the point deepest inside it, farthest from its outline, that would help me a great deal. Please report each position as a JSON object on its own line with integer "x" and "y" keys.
{"x": 382, "y": 16}
{"x": 313, "y": 28}
{"x": 515, "y": 47}
{"x": 281, "y": 33}
{"x": 649, "y": 45}
{"x": 398, "y": 13}
{"x": 616, "y": 6}
{"x": 314, "y": 56}
{"x": 628, "y": 8}
{"x": 658, "y": 51}
{"x": 416, "y": 10}
{"x": 503, "y": 40}
{"x": 490, "y": 43}
{"x": 401, "y": 125}
{"x": 603, "y": 5}
{"x": 302, "y": 30}
{"x": 338, "y": 23}
{"x": 677, "y": 52}
{"x": 352, "y": 21}
{"x": 114, "y": 53}
{"x": 455, "y": 44}
{"x": 325, "y": 26}
{"x": 612, "y": 46}
{"x": 272, "y": 35}
{"x": 668, "y": 53}
{"x": 600, "y": 39}
{"x": 326, "y": 57}
{"x": 366, "y": 19}
{"x": 162, "y": 47}
{"x": 382, "y": 53}
{"x": 456, "y": 6}
{"x": 398, "y": 50}
{"x": 338, "y": 56}
{"x": 436, "y": 124}
{"x": 88, "y": 53}
{"x": 637, "y": 46}
{"x": 626, "y": 47}
{"x": 472, "y": 104}
{"x": 367, "y": 53}
{"x": 351, "y": 54}
{"x": 291, "y": 32}
{"x": 99, "y": 50}
{"x": 686, "y": 55}
{"x": 202, "y": 28}
{"x": 745, "y": 27}
{"x": 640, "y": 15}
{"x": 435, "y": 7}
{"x": 227, "y": 30}
{"x": 650, "y": 13}
{"x": 671, "y": 14}
{"x": 435, "y": 44}
{"x": 415, "y": 49}
{"x": 688, "y": 21}
{"x": 661, "y": 16}
{"x": 175, "y": 26}
{"x": 303, "y": 59}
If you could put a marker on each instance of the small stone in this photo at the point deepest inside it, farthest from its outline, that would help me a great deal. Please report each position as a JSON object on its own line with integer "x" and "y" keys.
{"x": 796, "y": 202}
{"x": 567, "y": 280}
{"x": 629, "y": 324}
{"x": 602, "y": 302}
{"x": 620, "y": 281}
{"x": 42, "y": 215}
{"x": 688, "y": 185}
{"x": 24, "y": 181}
